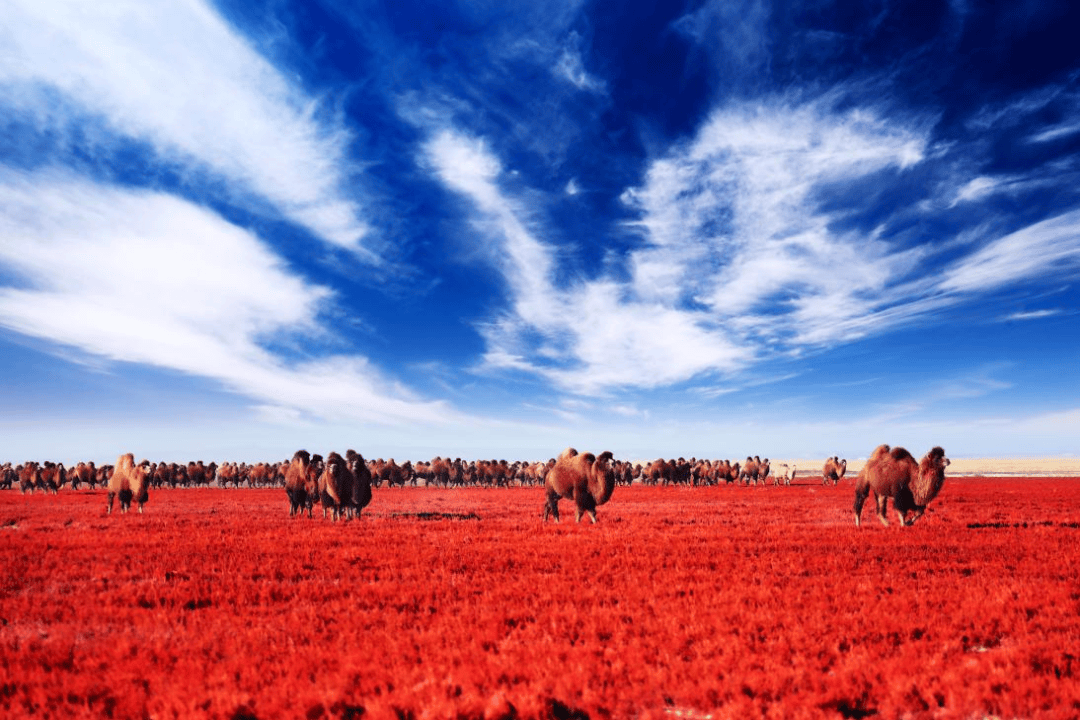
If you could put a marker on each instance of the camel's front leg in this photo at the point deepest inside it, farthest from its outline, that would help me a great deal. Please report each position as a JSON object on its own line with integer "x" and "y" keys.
{"x": 882, "y": 508}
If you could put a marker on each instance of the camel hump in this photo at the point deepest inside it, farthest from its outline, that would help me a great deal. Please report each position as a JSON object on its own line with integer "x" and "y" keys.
{"x": 880, "y": 451}
{"x": 568, "y": 453}
{"x": 900, "y": 453}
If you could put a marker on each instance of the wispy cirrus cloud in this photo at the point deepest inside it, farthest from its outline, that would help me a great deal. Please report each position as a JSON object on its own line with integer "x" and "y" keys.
{"x": 1031, "y": 315}
{"x": 178, "y": 77}
{"x": 145, "y": 277}
{"x": 1048, "y": 247}
{"x": 585, "y": 336}
{"x": 746, "y": 251}
{"x": 571, "y": 67}
{"x": 733, "y": 219}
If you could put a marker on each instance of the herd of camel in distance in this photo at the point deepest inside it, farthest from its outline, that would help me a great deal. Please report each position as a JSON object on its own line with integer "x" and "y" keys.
{"x": 343, "y": 484}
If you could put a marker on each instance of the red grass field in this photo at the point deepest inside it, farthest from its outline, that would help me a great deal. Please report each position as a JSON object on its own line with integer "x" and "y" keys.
{"x": 690, "y": 603}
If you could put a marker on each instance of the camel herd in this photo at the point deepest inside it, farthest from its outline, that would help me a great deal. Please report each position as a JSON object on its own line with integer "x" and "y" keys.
{"x": 343, "y": 485}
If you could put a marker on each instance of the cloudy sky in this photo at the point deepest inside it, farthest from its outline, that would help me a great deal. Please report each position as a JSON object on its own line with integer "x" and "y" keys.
{"x": 495, "y": 229}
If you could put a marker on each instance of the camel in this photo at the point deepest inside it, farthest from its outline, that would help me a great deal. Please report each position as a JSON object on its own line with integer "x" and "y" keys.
{"x": 261, "y": 475}
{"x": 389, "y": 472}
{"x": 29, "y": 477}
{"x": 659, "y": 471}
{"x": 84, "y": 472}
{"x": 336, "y": 486}
{"x": 533, "y": 473}
{"x": 586, "y": 479}
{"x": 54, "y": 476}
{"x": 893, "y": 473}
{"x": 834, "y": 470}
{"x": 300, "y": 483}
{"x": 624, "y": 473}
{"x": 361, "y": 491}
{"x": 750, "y": 470}
{"x": 103, "y": 474}
{"x": 783, "y": 474}
{"x": 438, "y": 472}
{"x": 727, "y": 472}
{"x": 227, "y": 473}
{"x": 128, "y": 482}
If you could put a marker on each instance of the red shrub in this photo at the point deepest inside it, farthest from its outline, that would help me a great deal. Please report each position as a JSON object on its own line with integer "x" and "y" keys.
{"x": 707, "y": 602}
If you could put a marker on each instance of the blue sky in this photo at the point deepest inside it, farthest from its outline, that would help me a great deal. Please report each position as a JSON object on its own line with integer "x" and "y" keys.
{"x": 485, "y": 229}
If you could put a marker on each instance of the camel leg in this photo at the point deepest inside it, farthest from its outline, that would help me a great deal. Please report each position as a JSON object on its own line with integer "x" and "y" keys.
{"x": 551, "y": 506}
{"x": 586, "y": 505}
{"x": 882, "y": 508}
{"x": 112, "y": 497}
{"x": 860, "y": 498}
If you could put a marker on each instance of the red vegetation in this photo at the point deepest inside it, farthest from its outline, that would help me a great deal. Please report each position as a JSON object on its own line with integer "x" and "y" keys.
{"x": 707, "y": 602}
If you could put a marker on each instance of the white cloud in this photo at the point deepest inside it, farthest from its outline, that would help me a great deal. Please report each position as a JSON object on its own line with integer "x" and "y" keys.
{"x": 590, "y": 338}
{"x": 147, "y": 278}
{"x": 1032, "y": 315}
{"x": 733, "y": 223}
{"x": 1026, "y": 254}
{"x": 176, "y": 75}
{"x": 975, "y": 189}
{"x": 466, "y": 165}
{"x": 741, "y": 261}
{"x": 571, "y": 68}
{"x": 1056, "y": 132}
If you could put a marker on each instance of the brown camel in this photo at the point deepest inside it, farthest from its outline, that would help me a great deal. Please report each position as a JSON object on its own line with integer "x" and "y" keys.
{"x": 128, "y": 482}
{"x": 659, "y": 471}
{"x": 361, "y": 491}
{"x": 750, "y": 470}
{"x": 893, "y": 473}
{"x": 300, "y": 483}
{"x": 586, "y": 479}
{"x": 336, "y": 486}
{"x": 29, "y": 477}
{"x": 833, "y": 471}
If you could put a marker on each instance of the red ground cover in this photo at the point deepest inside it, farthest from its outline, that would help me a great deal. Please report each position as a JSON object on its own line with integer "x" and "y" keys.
{"x": 709, "y": 602}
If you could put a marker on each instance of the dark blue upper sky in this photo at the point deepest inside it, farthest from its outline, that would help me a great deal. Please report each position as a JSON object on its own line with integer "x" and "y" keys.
{"x": 496, "y": 229}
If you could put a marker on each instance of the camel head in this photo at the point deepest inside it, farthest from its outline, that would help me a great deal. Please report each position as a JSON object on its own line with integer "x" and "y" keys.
{"x": 931, "y": 476}
{"x": 602, "y": 478}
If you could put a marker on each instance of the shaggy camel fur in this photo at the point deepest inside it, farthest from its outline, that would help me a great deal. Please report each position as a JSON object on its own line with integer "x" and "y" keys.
{"x": 586, "y": 479}
{"x": 128, "y": 482}
{"x": 300, "y": 483}
{"x": 750, "y": 470}
{"x": 893, "y": 473}
{"x": 336, "y": 486}
{"x": 361, "y": 491}
{"x": 833, "y": 471}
